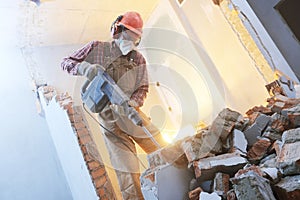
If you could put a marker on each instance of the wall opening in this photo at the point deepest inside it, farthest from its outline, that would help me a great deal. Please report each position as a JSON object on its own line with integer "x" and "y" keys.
{"x": 289, "y": 10}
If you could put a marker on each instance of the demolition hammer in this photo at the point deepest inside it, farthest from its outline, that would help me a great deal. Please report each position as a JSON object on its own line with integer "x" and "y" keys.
{"x": 101, "y": 90}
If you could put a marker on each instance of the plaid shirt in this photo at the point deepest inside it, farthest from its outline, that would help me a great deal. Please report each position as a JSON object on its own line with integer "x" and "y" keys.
{"x": 93, "y": 52}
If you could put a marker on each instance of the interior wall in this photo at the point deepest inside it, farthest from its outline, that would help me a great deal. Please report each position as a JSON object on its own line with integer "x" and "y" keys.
{"x": 205, "y": 23}
{"x": 30, "y": 168}
{"x": 68, "y": 150}
{"x": 279, "y": 31}
{"x": 197, "y": 66}
{"x": 183, "y": 92}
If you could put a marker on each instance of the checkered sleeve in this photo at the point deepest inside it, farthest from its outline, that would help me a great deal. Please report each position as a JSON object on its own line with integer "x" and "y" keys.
{"x": 70, "y": 63}
{"x": 142, "y": 83}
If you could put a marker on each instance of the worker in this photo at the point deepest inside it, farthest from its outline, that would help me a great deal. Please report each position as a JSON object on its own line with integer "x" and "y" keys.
{"x": 127, "y": 67}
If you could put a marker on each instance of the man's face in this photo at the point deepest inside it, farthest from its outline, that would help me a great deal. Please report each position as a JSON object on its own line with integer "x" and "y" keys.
{"x": 131, "y": 36}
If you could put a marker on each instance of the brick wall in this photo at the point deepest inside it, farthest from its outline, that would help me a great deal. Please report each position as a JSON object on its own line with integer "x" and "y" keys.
{"x": 87, "y": 145}
{"x": 91, "y": 155}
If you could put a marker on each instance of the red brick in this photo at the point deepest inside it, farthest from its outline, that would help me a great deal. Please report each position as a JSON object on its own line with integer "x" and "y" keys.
{"x": 79, "y": 125}
{"x": 105, "y": 198}
{"x": 75, "y": 118}
{"x": 194, "y": 194}
{"x": 68, "y": 106}
{"x": 83, "y": 150}
{"x": 99, "y": 182}
{"x": 88, "y": 158}
{"x": 98, "y": 172}
{"x": 101, "y": 192}
{"x": 70, "y": 111}
{"x": 93, "y": 165}
{"x": 83, "y": 132}
{"x": 221, "y": 184}
{"x": 85, "y": 140}
{"x": 231, "y": 195}
{"x": 259, "y": 149}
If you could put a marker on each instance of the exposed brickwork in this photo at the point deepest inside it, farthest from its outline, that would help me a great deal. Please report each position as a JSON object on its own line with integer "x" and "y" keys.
{"x": 90, "y": 153}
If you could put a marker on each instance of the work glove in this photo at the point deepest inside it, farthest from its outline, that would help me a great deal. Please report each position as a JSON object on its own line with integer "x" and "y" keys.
{"x": 88, "y": 70}
{"x": 119, "y": 109}
{"x": 133, "y": 103}
{"x": 124, "y": 110}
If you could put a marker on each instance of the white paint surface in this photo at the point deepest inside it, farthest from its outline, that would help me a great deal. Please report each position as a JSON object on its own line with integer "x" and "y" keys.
{"x": 30, "y": 168}
{"x": 69, "y": 152}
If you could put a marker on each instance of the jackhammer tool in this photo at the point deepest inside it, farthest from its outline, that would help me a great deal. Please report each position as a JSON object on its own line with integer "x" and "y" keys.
{"x": 97, "y": 93}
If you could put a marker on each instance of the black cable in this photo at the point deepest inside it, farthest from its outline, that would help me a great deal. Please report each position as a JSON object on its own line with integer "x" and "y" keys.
{"x": 111, "y": 132}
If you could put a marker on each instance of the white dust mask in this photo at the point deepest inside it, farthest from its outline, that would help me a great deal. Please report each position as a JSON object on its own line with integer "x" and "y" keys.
{"x": 125, "y": 45}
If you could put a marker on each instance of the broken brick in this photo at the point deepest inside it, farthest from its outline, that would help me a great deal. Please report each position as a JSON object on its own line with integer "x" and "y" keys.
{"x": 291, "y": 136}
{"x": 250, "y": 185}
{"x": 221, "y": 184}
{"x": 174, "y": 154}
{"x": 259, "y": 149}
{"x": 288, "y": 188}
{"x": 259, "y": 109}
{"x": 194, "y": 194}
{"x": 98, "y": 172}
{"x": 256, "y": 128}
{"x": 195, "y": 148}
{"x": 277, "y": 125}
{"x": 248, "y": 168}
{"x": 100, "y": 181}
{"x": 206, "y": 168}
{"x": 224, "y": 123}
{"x": 289, "y": 158}
{"x": 277, "y": 107}
{"x": 231, "y": 195}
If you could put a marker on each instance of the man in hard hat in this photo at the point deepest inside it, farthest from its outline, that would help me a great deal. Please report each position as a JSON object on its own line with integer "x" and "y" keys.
{"x": 128, "y": 69}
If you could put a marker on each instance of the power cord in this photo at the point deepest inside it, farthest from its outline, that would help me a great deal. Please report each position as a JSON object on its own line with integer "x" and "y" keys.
{"x": 111, "y": 132}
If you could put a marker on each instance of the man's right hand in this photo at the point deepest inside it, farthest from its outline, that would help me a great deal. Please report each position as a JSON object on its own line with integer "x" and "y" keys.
{"x": 88, "y": 70}
{"x": 120, "y": 110}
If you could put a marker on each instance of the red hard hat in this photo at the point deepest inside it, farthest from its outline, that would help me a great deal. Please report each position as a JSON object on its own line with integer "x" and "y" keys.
{"x": 132, "y": 21}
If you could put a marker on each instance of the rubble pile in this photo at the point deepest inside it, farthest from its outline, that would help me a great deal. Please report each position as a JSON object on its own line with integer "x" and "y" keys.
{"x": 255, "y": 156}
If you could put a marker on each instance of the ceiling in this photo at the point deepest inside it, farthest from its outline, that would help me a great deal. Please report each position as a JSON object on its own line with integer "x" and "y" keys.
{"x": 54, "y": 22}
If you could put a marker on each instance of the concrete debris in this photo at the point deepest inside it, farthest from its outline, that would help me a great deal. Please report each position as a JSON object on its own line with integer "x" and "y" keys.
{"x": 195, "y": 147}
{"x": 291, "y": 136}
{"x": 251, "y": 185}
{"x": 272, "y": 173}
{"x": 252, "y": 133}
{"x": 277, "y": 107}
{"x": 259, "y": 109}
{"x": 221, "y": 184}
{"x": 206, "y": 168}
{"x": 276, "y": 127}
{"x": 48, "y": 91}
{"x": 289, "y": 158}
{"x": 207, "y": 196}
{"x": 259, "y": 149}
{"x": 195, "y": 194}
{"x": 235, "y": 158}
{"x": 256, "y": 129}
{"x": 231, "y": 195}
{"x": 224, "y": 123}
{"x": 288, "y": 188}
{"x": 239, "y": 141}
{"x": 167, "y": 182}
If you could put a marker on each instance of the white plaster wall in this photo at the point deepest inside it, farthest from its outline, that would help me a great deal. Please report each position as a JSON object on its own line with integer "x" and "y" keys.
{"x": 69, "y": 152}
{"x": 243, "y": 85}
{"x": 30, "y": 168}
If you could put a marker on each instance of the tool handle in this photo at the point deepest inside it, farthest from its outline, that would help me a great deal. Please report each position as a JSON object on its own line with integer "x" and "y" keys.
{"x": 84, "y": 86}
{"x": 134, "y": 116}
